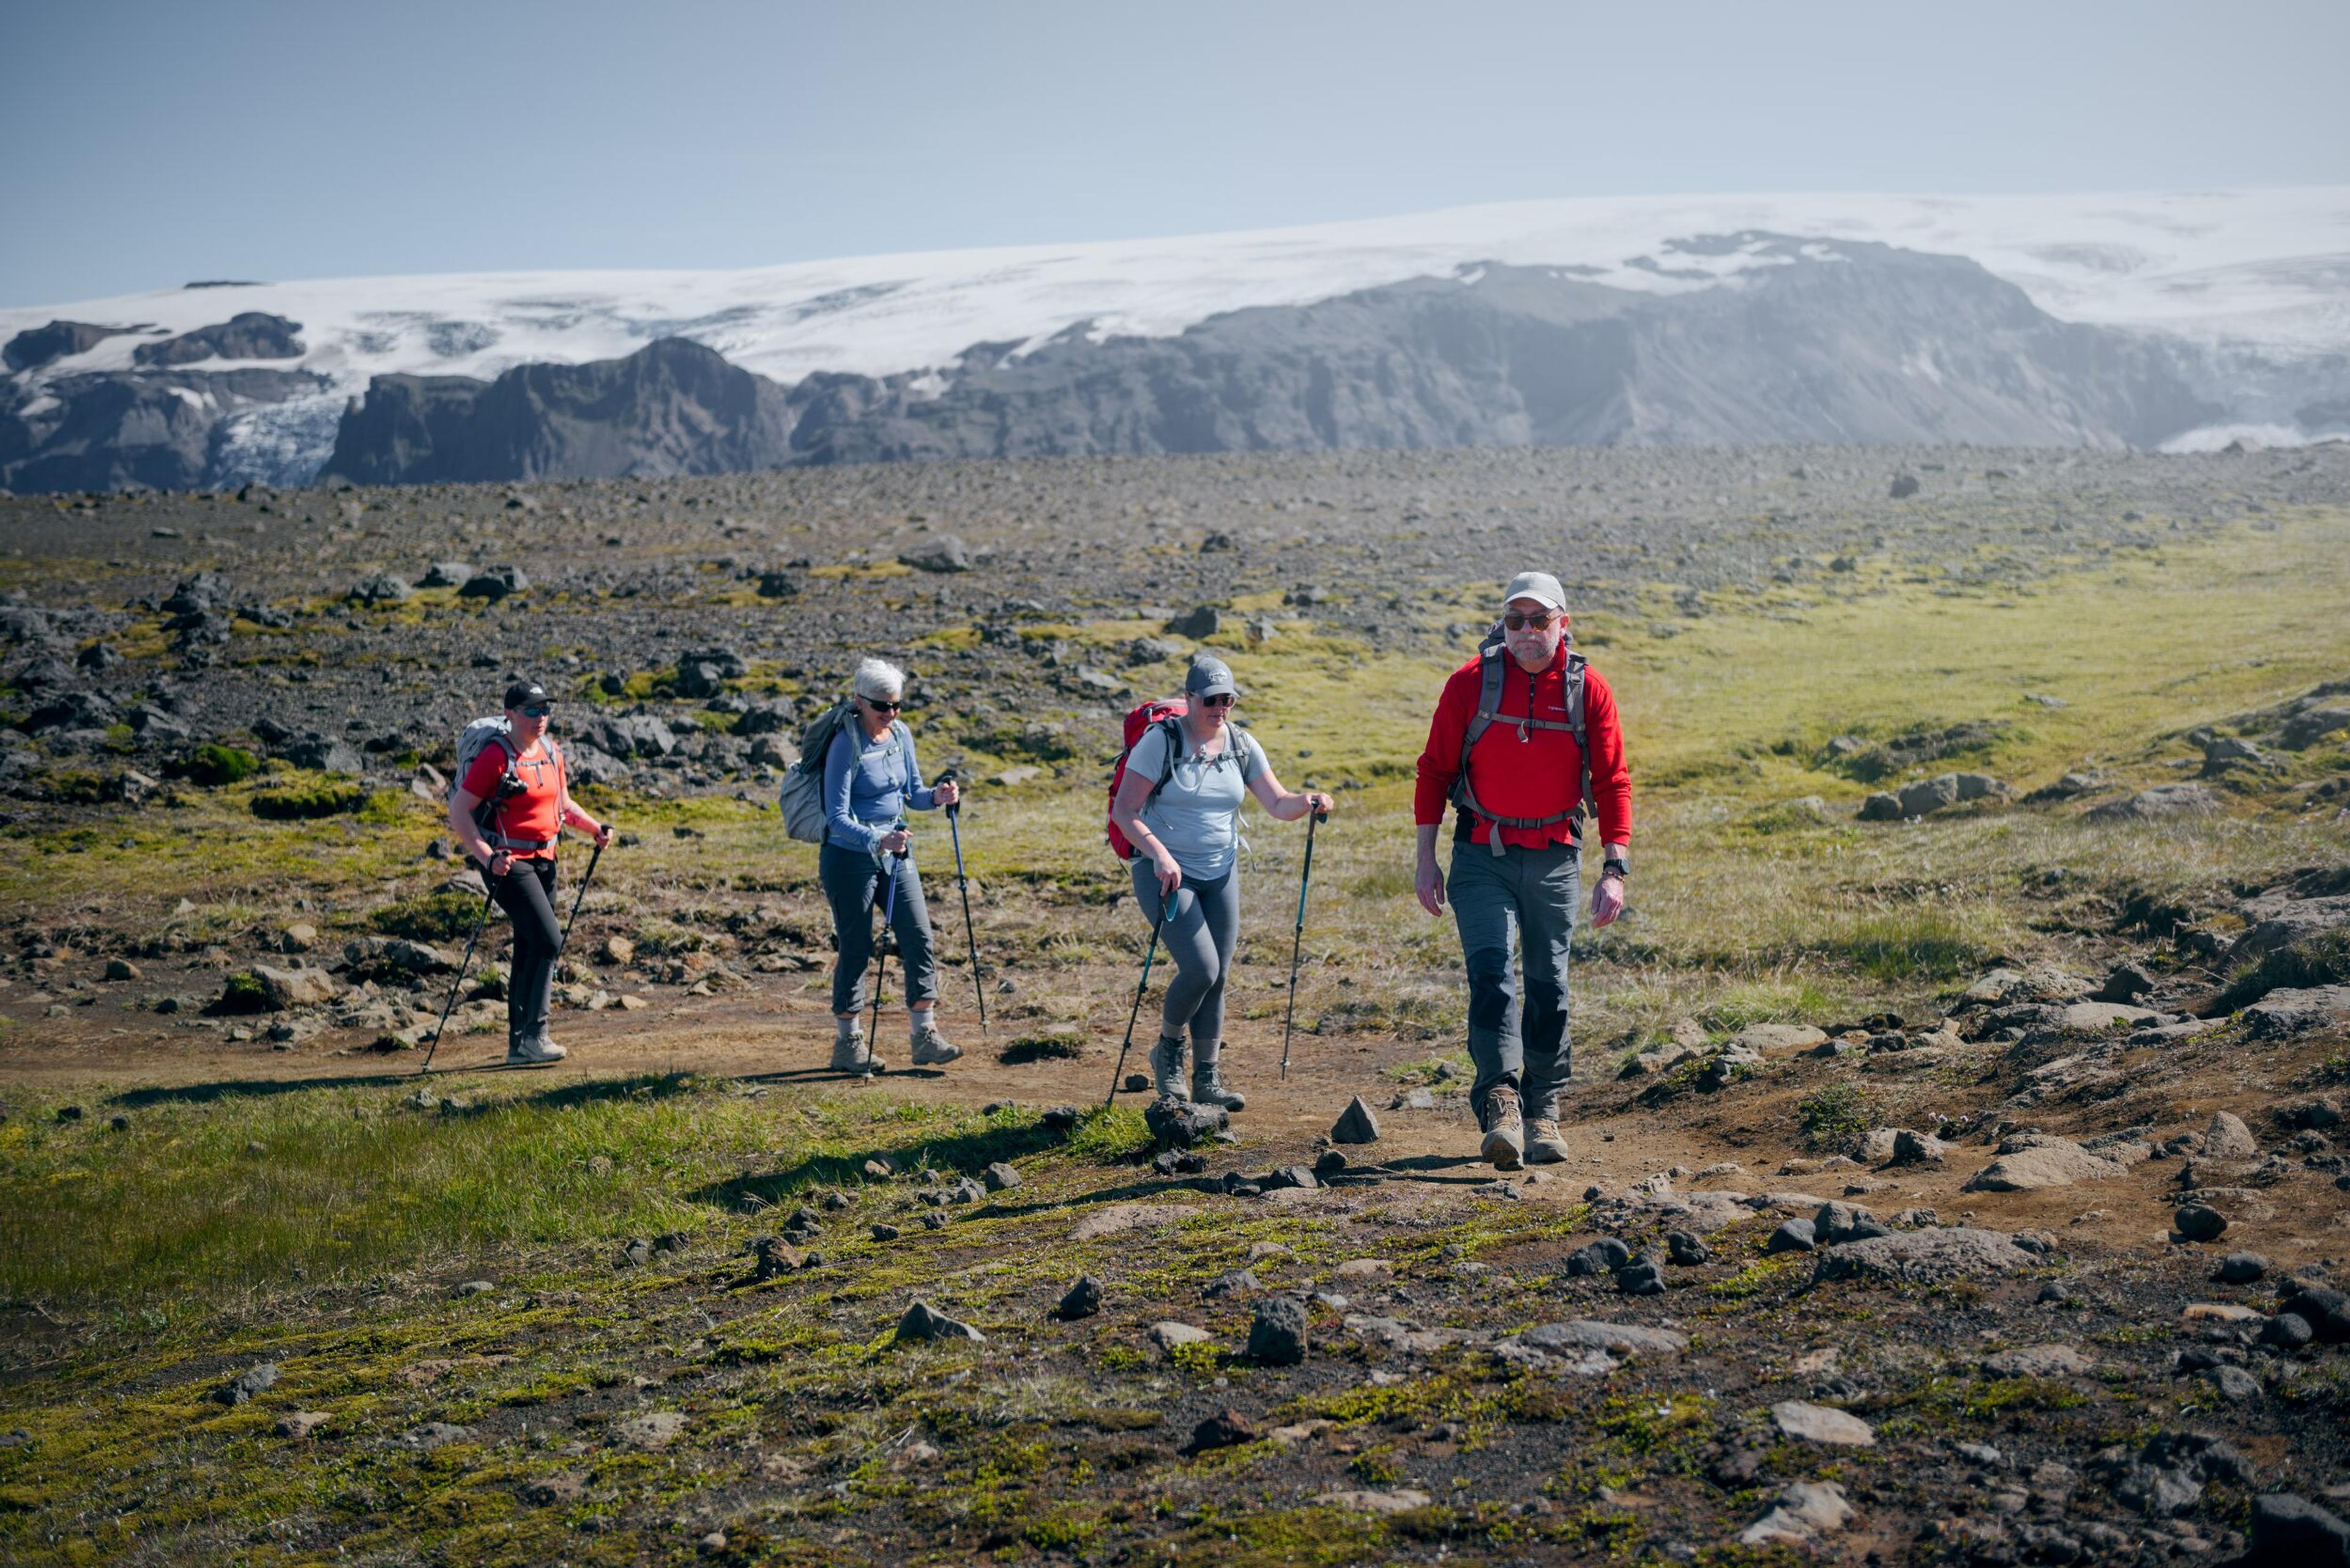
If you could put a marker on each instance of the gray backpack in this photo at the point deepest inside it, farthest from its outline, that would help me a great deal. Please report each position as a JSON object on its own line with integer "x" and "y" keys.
{"x": 801, "y": 799}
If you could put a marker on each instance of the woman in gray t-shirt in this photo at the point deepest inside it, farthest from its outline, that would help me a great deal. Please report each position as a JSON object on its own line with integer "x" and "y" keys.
{"x": 1186, "y": 838}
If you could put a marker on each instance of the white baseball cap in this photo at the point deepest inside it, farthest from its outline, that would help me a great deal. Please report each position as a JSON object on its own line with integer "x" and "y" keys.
{"x": 1539, "y": 587}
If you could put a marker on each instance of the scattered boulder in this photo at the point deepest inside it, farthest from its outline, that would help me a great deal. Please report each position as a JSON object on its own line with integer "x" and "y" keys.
{"x": 1918, "y": 1148}
{"x": 2326, "y": 1311}
{"x": 1604, "y": 1256}
{"x": 1616, "y": 1339}
{"x": 2126, "y": 984}
{"x": 2163, "y": 803}
{"x": 1000, "y": 1176}
{"x": 1170, "y": 1336}
{"x": 1838, "y": 1223}
{"x": 924, "y": 1321}
{"x": 2291, "y": 1531}
{"x": 282, "y": 989}
{"x": 1083, "y": 1299}
{"x": 493, "y": 583}
{"x": 381, "y": 588}
{"x": 1184, "y": 1124}
{"x": 1277, "y": 1334}
{"x": 1927, "y": 797}
{"x": 2228, "y": 1138}
{"x": 1924, "y": 1256}
{"x": 1355, "y": 1124}
{"x": 2283, "y": 1013}
{"x": 446, "y": 574}
{"x": 2240, "y": 1268}
{"x": 1764, "y": 1038}
{"x": 2034, "y": 1161}
{"x": 1224, "y": 1429}
{"x": 947, "y": 552}
{"x": 1804, "y": 1511}
{"x": 1791, "y": 1236}
{"x": 2198, "y": 1221}
{"x": 259, "y": 1377}
{"x": 2039, "y": 1361}
{"x": 1642, "y": 1276}
{"x": 1820, "y": 1424}
{"x": 301, "y": 1423}
{"x": 1206, "y": 621}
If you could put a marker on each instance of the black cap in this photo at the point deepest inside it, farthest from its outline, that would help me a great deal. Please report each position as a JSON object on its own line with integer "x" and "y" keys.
{"x": 522, "y": 693}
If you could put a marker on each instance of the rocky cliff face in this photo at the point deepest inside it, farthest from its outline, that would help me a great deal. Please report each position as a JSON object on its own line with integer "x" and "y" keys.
{"x": 115, "y": 429}
{"x": 1845, "y": 343}
{"x": 1804, "y": 341}
{"x": 673, "y": 407}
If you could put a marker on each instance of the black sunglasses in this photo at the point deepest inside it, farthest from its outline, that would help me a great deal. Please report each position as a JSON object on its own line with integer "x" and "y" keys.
{"x": 537, "y": 711}
{"x": 1224, "y": 700}
{"x": 1517, "y": 622}
{"x": 880, "y": 707}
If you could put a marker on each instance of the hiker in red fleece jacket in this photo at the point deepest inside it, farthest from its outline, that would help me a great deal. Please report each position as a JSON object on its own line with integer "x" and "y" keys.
{"x": 1524, "y": 744}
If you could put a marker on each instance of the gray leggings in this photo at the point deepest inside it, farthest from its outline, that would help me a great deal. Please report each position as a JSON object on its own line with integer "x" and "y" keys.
{"x": 1199, "y": 935}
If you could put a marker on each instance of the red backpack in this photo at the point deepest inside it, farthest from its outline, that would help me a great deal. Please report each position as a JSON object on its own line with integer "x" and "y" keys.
{"x": 1138, "y": 720}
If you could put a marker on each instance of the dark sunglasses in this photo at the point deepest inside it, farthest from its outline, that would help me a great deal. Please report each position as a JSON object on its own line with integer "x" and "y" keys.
{"x": 881, "y": 707}
{"x": 1517, "y": 622}
{"x": 536, "y": 710}
{"x": 1224, "y": 701}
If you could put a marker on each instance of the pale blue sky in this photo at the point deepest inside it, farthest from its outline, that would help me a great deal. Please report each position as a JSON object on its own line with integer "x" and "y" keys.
{"x": 154, "y": 142}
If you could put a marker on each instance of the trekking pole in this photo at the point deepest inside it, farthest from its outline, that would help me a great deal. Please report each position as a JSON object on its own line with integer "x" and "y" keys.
{"x": 1298, "y": 945}
{"x": 467, "y": 962}
{"x": 978, "y": 987}
{"x": 881, "y": 954}
{"x": 581, "y": 896}
{"x": 1166, "y": 903}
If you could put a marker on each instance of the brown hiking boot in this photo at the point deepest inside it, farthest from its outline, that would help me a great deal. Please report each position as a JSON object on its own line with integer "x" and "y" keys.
{"x": 1545, "y": 1143}
{"x": 1505, "y": 1132}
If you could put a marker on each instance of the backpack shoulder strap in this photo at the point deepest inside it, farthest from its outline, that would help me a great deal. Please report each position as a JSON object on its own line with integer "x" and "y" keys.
{"x": 1171, "y": 729}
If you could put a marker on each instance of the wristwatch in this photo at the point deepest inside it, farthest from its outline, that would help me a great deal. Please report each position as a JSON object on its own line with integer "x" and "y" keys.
{"x": 1613, "y": 867}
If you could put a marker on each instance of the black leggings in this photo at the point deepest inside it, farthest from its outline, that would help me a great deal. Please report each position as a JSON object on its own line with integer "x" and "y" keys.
{"x": 527, "y": 896}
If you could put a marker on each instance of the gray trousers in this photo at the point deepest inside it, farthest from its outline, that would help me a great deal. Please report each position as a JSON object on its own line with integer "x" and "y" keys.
{"x": 852, "y": 880}
{"x": 1200, "y": 934}
{"x": 1525, "y": 898}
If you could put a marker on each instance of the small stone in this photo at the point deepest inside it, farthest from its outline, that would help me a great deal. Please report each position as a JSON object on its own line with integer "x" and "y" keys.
{"x": 2199, "y": 1223}
{"x": 1001, "y": 1176}
{"x": 2287, "y": 1529}
{"x": 1184, "y": 1124}
{"x": 2235, "y": 1384}
{"x": 1355, "y": 1124}
{"x": 882, "y": 1232}
{"x": 1277, "y": 1334}
{"x": 1137, "y": 1082}
{"x": 1224, "y": 1429}
{"x": 475, "y": 1288}
{"x": 1687, "y": 1250}
{"x": 1329, "y": 1164}
{"x": 1082, "y": 1300}
{"x": 254, "y": 1379}
{"x": 1604, "y": 1256}
{"x": 2240, "y": 1268}
{"x": 2228, "y": 1139}
{"x": 634, "y": 1252}
{"x": 121, "y": 969}
{"x": 879, "y": 1169}
{"x": 1640, "y": 1277}
{"x": 1819, "y": 1424}
{"x": 1791, "y": 1236}
{"x": 1170, "y": 1336}
{"x": 1365, "y": 1270}
{"x": 924, "y": 1321}
{"x": 2287, "y": 1330}
{"x": 301, "y": 1423}
{"x": 772, "y": 1257}
{"x": 1804, "y": 1511}
{"x": 2039, "y": 1361}
{"x": 1231, "y": 1282}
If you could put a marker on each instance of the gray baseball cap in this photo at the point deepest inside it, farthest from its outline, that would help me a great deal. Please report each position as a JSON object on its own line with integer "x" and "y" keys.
{"x": 1209, "y": 677}
{"x": 1539, "y": 587}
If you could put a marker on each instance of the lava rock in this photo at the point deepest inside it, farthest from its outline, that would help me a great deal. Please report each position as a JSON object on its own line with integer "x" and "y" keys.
{"x": 924, "y": 1321}
{"x": 2198, "y": 1221}
{"x": 1224, "y": 1429}
{"x": 1082, "y": 1300}
{"x": 1185, "y": 1123}
{"x": 1604, "y": 1256}
{"x": 1355, "y": 1124}
{"x": 1277, "y": 1334}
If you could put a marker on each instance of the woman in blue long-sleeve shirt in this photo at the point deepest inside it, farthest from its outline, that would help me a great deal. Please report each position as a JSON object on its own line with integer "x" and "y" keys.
{"x": 871, "y": 779}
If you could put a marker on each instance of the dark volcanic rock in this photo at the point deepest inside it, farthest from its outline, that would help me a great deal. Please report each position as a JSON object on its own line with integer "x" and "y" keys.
{"x": 249, "y": 335}
{"x": 673, "y": 407}
{"x": 1277, "y": 1334}
{"x": 38, "y": 346}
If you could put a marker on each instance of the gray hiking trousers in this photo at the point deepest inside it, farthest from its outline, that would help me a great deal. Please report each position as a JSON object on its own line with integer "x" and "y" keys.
{"x": 1522, "y": 897}
{"x": 1199, "y": 935}
{"x": 853, "y": 882}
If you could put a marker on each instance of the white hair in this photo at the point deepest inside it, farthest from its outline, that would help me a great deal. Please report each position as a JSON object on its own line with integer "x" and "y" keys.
{"x": 877, "y": 678}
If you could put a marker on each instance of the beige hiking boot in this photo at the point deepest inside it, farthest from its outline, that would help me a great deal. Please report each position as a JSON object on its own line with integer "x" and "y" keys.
{"x": 534, "y": 1050}
{"x": 1545, "y": 1143}
{"x": 931, "y": 1048}
{"x": 1505, "y": 1133}
{"x": 849, "y": 1055}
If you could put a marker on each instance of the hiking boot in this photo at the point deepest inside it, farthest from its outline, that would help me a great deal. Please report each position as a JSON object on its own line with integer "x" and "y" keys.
{"x": 931, "y": 1048}
{"x": 533, "y": 1050}
{"x": 1208, "y": 1089}
{"x": 1505, "y": 1133}
{"x": 1167, "y": 1068}
{"x": 849, "y": 1055}
{"x": 1545, "y": 1143}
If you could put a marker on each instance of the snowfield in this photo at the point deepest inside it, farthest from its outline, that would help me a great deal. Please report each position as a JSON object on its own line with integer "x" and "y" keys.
{"x": 2260, "y": 273}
